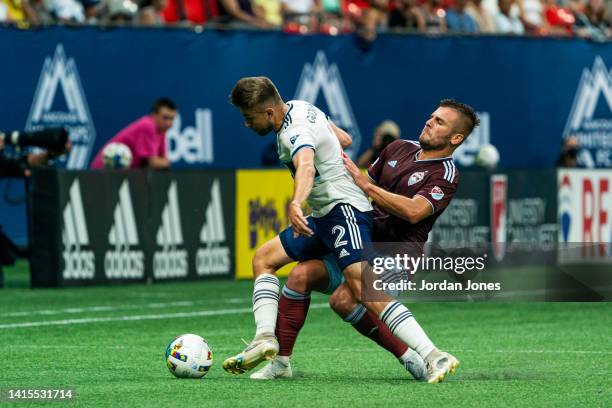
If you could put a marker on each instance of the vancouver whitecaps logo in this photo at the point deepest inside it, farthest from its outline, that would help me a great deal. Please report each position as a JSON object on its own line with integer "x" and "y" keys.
{"x": 594, "y": 133}
{"x": 324, "y": 77}
{"x": 73, "y": 114}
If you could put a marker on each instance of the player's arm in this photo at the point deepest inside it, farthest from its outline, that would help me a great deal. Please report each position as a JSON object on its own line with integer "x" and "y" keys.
{"x": 343, "y": 137}
{"x": 412, "y": 210}
{"x": 158, "y": 163}
{"x": 303, "y": 160}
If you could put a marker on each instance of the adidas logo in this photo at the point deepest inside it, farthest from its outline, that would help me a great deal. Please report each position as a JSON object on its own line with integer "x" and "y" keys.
{"x": 214, "y": 258}
{"x": 121, "y": 262}
{"x": 79, "y": 263}
{"x": 170, "y": 261}
{"x": 392, "y": 163}
{"x": 343, "y": 253}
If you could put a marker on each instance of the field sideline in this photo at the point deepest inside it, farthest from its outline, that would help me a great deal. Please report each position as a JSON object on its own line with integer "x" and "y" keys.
{"x": 108, "y": 344}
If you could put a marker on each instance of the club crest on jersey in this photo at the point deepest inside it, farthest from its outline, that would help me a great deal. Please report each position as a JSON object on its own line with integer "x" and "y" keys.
{"x": 416, "y": 177}
{"x": 292, "y": 139}
{"x": 436, "y": 193}
{"x": 392, "y": 163}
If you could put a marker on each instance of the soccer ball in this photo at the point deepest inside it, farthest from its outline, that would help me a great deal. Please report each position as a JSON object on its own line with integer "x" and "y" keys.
{"x": 487, "y": 156}
{"x": 117, "y": 156}
{"x": 189, "y": 356}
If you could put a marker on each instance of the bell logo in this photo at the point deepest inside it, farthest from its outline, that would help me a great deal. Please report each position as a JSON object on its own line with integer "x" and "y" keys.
{"x": 214, "y": 258}
{"x": 192, "y": 144}
{"x": 60, "y": 73}
{"x": 323, "y": 77}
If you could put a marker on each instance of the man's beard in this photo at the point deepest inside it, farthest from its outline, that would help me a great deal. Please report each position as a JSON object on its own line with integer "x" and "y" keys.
{"x": 263, "y": 131}
{"x": 426, "y": 145}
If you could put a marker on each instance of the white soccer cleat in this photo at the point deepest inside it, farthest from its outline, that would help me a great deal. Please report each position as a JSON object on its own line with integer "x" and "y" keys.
{"x": 260, "y": 349}
{"x": 439, "y": 364}
{"x": 275, "y": 369}
{"x": 415, "y": 365}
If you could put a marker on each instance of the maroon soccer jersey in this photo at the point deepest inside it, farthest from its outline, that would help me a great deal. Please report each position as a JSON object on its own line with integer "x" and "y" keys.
{"x": 399, "y": 171}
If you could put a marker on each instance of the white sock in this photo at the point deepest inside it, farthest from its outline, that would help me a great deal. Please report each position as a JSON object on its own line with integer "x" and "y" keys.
{"x": 403, "y": 325}
{"x": 284, "y": 360}
{"x": 265, "y": 303}
{"x": 406, "y": 356}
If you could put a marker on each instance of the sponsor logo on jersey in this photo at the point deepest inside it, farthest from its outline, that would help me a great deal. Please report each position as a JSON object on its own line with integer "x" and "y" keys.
{"x": 214, "y": 257}
{"x": 416, "y": 177}
{"x": 292, "y": 139}
{"x": 79, "y": 262}
{"x": 343, "y": 253}
{"x": 191, "y": 144}
{"x": 123, "y": 261}
{"x": 499, "y": 189}
{"x": 171, "y": 260}
{"x": 60, "y": 71}
{"x": 322, "y": 77}
{"x": 594, "y": 134}
{"x": 436, "y": 193}
{"x": 392, "y": 163}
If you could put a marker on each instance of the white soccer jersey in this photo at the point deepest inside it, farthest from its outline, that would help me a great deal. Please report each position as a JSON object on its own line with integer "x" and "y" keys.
{"x": 305, "y": 126}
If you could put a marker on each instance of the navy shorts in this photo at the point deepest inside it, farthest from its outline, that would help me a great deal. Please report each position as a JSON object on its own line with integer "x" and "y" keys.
{"x": 342, "y": 232}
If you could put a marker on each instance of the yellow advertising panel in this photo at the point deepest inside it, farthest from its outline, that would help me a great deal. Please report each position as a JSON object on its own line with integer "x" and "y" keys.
{"x": 262, "y": 197}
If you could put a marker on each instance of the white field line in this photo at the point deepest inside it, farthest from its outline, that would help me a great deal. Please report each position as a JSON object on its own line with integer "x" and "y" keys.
{"x": 162, "y": 316}
{"x": 114, "y": 308}
{"x": 372, "y": 349}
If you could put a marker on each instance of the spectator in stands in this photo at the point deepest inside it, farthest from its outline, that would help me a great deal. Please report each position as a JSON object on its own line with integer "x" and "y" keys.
{"x": 569, "y": 152}
{"x": 151, "y": 13}
{"x": 300, "y": 16}
{"x": 122, "y": 11}
{"x": 406, "y": 15}
{"x": 384, "y": 134}
{"x": 269, "y": 10}
{"x": 560, "y": 19}
{"x": 434, "y": 15}
{"x": 146, "y": 137}
{"x": 505, "y": 21}
{"x": 484, "y": 19}
{"x": 459, "y": 21}
{"x": 240, "y": 11}
{"x": 19, "y": 12}
{"x": 532, "y": 16}
{"x": 67, "y": 11}
{"x": 593, "y": 22}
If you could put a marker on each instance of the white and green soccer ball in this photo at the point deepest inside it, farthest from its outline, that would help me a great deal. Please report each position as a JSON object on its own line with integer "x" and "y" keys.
{"x": 117, "y": 156}
{"x": 189, "y": 356}
{"x": 487, "y": 157}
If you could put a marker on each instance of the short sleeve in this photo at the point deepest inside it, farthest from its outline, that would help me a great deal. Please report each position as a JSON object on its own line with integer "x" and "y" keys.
{"x": 295, "y": 138}
{"x": 438, "y": 190}
{"x": 375, "y": 169}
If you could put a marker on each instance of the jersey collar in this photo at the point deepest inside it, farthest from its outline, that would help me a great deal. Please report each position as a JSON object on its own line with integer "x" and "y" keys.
{"x": 286, "y": 119}
{"x": 416, "y": 157}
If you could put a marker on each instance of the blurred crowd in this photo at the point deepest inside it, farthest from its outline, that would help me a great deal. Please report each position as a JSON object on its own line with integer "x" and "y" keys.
{"x": 581, "y": 18}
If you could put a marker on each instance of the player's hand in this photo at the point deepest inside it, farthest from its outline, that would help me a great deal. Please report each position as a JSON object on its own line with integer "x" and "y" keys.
{"x": 361, "y": 180}
{"x": 299, "y": 222}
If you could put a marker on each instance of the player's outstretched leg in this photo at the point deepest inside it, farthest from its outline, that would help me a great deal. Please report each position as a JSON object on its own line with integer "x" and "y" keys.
{"x": 292, "y": 310}
{"x": 267, "y": 260}
{"x": 370, "y": 326}
{"x": 403, "y": 325}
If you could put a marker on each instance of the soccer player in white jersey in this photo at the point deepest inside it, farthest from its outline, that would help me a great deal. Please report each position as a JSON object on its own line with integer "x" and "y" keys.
{"x": 308, "y": 144}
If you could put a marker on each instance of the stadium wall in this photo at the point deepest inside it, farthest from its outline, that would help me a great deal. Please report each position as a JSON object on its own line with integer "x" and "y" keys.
{"x": 529, "y": 92}
{"x": 91, "y": 227}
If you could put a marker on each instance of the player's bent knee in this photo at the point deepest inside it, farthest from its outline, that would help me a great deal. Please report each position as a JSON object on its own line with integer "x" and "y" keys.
{"x": 342, "y": 301}
{"x": 298, "y": 279}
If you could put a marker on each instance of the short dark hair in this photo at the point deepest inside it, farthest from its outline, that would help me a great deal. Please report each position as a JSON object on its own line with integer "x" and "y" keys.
{"x": 470, "y": 119}
{"x": 163, "y": 103}
{"x": 250, "y": 92}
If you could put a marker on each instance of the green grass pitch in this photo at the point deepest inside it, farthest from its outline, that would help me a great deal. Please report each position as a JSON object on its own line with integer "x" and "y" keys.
{"x": 108, "y": 343}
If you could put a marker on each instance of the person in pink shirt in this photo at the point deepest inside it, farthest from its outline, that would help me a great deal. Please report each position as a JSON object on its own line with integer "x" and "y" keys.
{"x": 146, "y": 137}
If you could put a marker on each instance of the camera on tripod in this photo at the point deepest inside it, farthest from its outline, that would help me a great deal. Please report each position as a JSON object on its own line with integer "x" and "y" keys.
{"x": 53, "y": 139}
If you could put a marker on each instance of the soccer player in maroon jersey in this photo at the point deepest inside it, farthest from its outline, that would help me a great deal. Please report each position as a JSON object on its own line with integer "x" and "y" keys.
{"x": 411, "y": 184}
